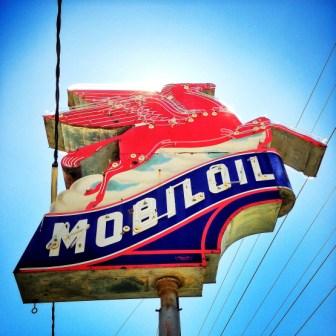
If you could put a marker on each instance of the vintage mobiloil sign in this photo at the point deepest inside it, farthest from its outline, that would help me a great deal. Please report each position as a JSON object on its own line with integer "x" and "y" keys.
{"x": 158, "y": 184}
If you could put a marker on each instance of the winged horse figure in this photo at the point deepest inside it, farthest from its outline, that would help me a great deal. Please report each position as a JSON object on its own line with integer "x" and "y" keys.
{"x": 136, "y": 124}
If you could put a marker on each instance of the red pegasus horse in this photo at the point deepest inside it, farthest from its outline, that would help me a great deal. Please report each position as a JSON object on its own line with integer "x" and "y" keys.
{"x": 180, "y": 116}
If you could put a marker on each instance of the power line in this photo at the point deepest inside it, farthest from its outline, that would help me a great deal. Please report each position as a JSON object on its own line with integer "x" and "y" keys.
{"x": 128, "y": 317}
{"x": 331, "y": 135}
{"x": 289, "y": 260}
{"x": 234, "y": 283}
{"x": 259, "y": 265}
{"x": 303, "y": 289}
{"x": 314, "y": 311}
{"x": 324, "y": 107}
{"x": 299, "y": 280}
{"x": 316, "y": 83}
{"x": 250, "y": 281}
{"x": 220, "y": 287}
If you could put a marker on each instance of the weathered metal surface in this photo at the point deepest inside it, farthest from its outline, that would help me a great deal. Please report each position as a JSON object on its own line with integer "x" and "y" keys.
{"x": 74, "y": 137}
{"x": 300, "y": 152}
{"x": 104, "y": 284}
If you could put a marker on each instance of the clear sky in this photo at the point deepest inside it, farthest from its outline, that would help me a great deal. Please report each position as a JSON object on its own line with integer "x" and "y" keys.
{"x": 264, "y": 57}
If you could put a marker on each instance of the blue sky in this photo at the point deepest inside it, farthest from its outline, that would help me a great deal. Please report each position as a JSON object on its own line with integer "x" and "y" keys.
{"x": 264, "y": 57}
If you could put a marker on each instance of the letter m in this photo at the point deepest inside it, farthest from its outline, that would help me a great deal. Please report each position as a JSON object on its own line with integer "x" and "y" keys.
{"x": 76, "y": 237}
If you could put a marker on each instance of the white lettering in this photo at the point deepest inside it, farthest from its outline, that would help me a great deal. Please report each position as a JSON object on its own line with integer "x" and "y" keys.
{"x": 116, "y": 218}
{"x": 221, "y": 169}
{"x": 241, "y": 172}
{"x": 61, "y": 233}
{"x": 258, "y": 175}
{"x": 144, "y": 215}
{"x": 189, "y": 198}
{"x": 171, "y": 206}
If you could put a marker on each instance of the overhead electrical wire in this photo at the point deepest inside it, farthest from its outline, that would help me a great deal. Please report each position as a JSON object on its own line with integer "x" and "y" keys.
{"x": 221, "y": 285}
{"x": 303, "y": 290}
{"x": 234, "y": 283}
{"x": 316, "y": 83}
{"x": 331, "y": 135}
{"x": 323, "y": 108}
{"x": 299, "y": 280}
{"x": 259, "y": 265}
{"x": 129, "y": 316}
{"x": 315, "y": 310}
{"x": 288, "y": 260}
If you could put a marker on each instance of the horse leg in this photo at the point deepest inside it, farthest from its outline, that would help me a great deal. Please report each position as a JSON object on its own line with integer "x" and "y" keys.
{"x": 93, "y": 190}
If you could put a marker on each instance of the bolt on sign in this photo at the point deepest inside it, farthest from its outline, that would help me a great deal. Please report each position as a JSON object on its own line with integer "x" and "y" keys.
{"x": 157, "y": 184}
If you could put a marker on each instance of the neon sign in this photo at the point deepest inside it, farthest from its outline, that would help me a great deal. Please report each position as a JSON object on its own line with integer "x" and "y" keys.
{"x": 182, "y": 180}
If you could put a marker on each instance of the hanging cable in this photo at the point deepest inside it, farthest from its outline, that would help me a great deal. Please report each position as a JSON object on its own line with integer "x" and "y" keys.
{"x": 314, "y": 311}
{"x": 289, "y": 260}
{"x": 259, "y": 265}
{"x": 54, "y": 171}
{"x": 316, "y": 83}
{"x": 299, "y": 280}
{"x": 234, "y": 284}
{"x": 303, "y": 290}
{"x": 57, "y": 73}
{"x": 221, "y": 285}
{"x": 129, "y": 316}
{"x": 53, "y": 319}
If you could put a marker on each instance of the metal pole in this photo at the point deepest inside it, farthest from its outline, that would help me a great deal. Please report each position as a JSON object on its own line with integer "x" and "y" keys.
{"x": 169, "y": 313}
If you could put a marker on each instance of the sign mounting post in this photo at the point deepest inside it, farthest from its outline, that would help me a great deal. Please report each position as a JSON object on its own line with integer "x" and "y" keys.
{"x": 169, "y": 312}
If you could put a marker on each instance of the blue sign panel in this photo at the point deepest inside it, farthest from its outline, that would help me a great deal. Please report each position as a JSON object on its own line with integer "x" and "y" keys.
{"x": 174, "y": 223}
